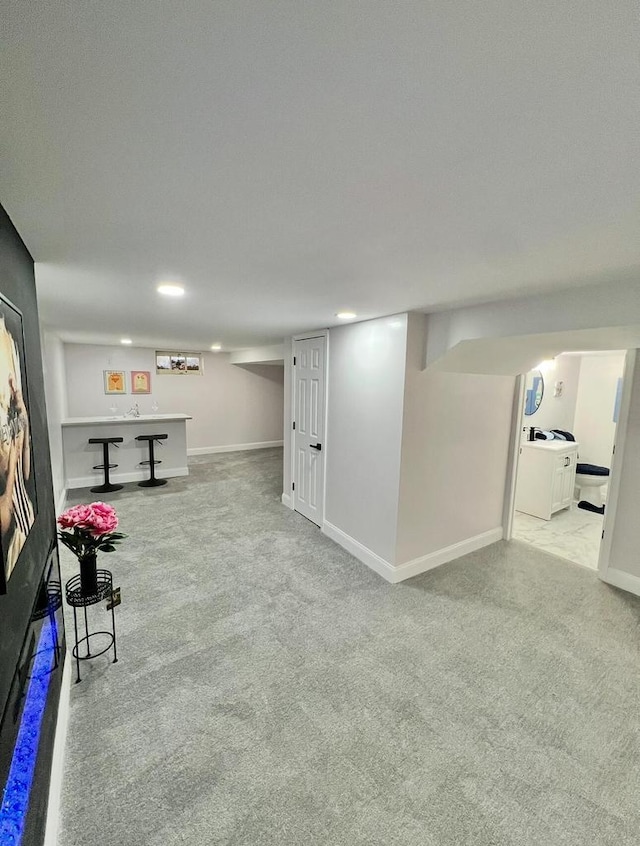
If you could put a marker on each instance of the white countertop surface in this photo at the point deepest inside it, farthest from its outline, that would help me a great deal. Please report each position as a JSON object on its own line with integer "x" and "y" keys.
{"x": 550, "y": 446}
{"x": 144, "y": 418}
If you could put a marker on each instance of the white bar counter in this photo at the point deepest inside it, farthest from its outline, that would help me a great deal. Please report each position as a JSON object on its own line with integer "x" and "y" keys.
{"x": 80, "y": 455}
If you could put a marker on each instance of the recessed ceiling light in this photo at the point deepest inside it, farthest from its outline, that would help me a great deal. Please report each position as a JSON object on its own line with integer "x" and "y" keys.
{"x": 216, "y": 347}
{"x": 171, "y": 290}
{"x": 346, "y": 315}
{"x": 126, "y": 341}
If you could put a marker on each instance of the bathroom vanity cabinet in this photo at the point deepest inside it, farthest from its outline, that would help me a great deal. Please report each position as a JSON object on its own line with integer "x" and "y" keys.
{"x": 546, "y": 477}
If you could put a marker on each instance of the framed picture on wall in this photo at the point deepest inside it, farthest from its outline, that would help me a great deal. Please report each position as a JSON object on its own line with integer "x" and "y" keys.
{"x": 18, "y": 506}
{"x": 178, "y": 363}
{"x": 140, "y": 382}
{"x": 114, "y": 382}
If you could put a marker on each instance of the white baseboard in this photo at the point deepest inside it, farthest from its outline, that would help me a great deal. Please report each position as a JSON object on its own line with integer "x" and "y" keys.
{"x": 286, "y": 500}
{"x": 57, "y": 764}
{"x": 123, "y": 478}
{"x": 412, "y": 568}
{"x": 622, "y": 580}
{"x": 362, "y": 553}
{"x": 447, "y": 553}
{"x": 211, "y": 450}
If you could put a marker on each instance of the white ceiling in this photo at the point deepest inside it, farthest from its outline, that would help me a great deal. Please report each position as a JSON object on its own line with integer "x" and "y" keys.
{"x": 288, "y": 159}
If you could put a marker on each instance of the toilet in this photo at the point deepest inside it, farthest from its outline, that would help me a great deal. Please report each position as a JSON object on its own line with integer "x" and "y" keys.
{"x": 590, "y": 479}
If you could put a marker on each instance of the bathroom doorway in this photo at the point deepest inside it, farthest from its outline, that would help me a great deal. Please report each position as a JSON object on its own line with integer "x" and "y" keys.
{"x": 563, "y": 453}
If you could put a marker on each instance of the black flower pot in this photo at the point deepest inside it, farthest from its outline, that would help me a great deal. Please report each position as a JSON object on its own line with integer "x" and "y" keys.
{"x": 89, "y": 574}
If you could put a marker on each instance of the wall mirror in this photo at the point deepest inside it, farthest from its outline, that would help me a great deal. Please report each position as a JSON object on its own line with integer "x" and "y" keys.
{"x": 533, "y": 392}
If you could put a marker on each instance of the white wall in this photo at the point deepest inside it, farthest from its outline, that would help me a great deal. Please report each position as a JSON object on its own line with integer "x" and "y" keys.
{"x": 416, "y": 461}
{"x": 558, "y": 412}
{"x": 364, "y": 432}
{"x": 455, "y": 449}
{"x": 594, "y": 427}
{"x": 231, "y": 405}
{"x": 53, "y": 362}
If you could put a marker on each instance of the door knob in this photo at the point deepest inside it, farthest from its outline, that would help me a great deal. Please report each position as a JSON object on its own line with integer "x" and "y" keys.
{"x": 316, "y": 446}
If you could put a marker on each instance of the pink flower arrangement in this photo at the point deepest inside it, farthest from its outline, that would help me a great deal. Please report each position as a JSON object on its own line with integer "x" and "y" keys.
{"x": 87, "y": 529}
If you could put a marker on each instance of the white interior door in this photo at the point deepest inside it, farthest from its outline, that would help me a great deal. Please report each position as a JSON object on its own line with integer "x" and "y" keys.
{"x": 308, "y": 434}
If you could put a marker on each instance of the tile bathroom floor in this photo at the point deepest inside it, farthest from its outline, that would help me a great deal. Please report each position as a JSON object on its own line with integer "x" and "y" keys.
{"x": 573, "y": 534}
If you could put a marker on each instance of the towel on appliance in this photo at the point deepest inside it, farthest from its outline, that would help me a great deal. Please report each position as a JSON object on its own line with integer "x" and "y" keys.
{"x": 563, "y": 436}
{"x": 543, "y": 435}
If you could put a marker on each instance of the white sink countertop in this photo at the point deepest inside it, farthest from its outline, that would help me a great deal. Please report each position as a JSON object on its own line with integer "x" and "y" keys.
{"x": 553, "y": 446}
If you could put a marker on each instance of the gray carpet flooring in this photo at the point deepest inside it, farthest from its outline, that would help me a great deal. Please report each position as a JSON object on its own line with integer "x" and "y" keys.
{"x": 273, "y": 690}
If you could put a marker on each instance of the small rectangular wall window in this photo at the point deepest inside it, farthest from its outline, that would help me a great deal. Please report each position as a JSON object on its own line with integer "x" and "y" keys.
{"x": 178, "y": 363}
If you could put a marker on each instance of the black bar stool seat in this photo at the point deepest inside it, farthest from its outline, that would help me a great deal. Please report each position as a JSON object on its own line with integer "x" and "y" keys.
{"x": 152, "y": 481}
{"x": 107, "y": 486}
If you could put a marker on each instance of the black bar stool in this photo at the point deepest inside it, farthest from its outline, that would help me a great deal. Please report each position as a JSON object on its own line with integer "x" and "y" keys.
{"x": 152, "y": 482}
{"x": 107, "y": 487}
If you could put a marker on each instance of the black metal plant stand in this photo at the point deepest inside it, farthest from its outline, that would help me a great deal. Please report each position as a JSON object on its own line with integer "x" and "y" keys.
{"x": 77, "y": 600}
{"x": 53, "y": 602}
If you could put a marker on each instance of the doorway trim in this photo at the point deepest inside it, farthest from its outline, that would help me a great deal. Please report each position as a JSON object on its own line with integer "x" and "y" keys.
{"x": 514, "y": 456}
{"x": 613, "y": 490}
{"x": 305, "y": 336}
